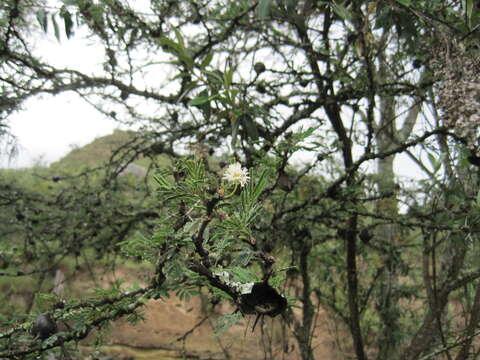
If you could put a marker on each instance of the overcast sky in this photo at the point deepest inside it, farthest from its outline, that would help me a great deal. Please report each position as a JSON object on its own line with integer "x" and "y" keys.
{"x": 48, "y": 126}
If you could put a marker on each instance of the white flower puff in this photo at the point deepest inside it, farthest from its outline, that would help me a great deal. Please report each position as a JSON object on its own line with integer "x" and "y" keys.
{"x": 235, "y": 174}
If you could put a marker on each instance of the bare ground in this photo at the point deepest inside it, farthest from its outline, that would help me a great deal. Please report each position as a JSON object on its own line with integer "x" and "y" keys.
{"x": 174, "y": 329}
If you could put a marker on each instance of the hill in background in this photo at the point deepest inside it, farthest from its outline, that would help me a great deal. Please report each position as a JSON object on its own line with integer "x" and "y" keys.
{"x": 95, "y": 153}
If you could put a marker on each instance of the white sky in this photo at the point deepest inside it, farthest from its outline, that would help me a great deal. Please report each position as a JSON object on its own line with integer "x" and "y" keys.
{"x": 48, "y": 126}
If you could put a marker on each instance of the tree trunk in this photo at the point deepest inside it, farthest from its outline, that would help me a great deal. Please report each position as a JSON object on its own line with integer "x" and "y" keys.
{"x": 387, "y": 135}
{"x": 387, "y": 298}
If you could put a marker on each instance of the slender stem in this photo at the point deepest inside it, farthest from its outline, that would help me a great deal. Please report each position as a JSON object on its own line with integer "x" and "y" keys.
{"x": 232, "y": 193}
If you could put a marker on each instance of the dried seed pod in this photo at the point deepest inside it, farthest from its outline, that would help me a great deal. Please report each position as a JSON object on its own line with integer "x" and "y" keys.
{"x": 268, "y": 245}
{"x": 417, "y": 63}
{"x": 44, "y": 326}
{"x": 259, "y": 67}
{"x": 286, "y": 182}
{"x": 365, "y": 236}
{"x": 261, "y": 89}
{"x": 304, "y": 83}
{"x": 124, "y": 94}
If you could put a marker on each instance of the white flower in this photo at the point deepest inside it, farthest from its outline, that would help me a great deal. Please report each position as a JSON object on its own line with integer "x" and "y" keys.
{"x": 235, "y": 174}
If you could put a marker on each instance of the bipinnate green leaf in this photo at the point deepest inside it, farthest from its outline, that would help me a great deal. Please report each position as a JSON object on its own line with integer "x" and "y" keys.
{"x": 254, "y": 189}
{"x": 180, "y": 39}
{"x": 250, "y": 126}
{"x": 436, "y": 163}
{"x": 468, "y": 5}
{"x": 177, "y": 49}
{"x": 207, "y": 60}
{"x": 200, "y": 100}
{"x": 225, "y": 322}
{"x": 263, "y": 9}
{"x": 235, "y": 128}
{"x": 342, "y": 11}
{"x": 228, "y": 78}
{"x": 42, "y": 18}
{"x": 56, "y": 28}
{"x": 170, "y": 45}
{"x": 162, "y": 181}
{"x": 68, "y": 22}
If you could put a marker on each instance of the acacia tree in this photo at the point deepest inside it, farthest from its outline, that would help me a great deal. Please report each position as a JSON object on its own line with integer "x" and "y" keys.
{"x": 342, "y": 83}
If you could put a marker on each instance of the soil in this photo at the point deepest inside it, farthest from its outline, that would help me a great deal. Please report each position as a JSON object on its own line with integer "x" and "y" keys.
{"x": 175, "y": 329}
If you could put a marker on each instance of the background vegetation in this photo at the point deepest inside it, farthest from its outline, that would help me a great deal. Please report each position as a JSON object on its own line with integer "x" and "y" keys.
{"x": 319, "y": 100}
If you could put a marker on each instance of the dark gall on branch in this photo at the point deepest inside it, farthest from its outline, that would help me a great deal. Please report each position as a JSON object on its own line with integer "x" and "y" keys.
{"x": 474, "y": 160}
{"x": 263, "y": 300}
{"x": 365, "y": 236}
{"x": 44, "y": 326}
{"x": 259, "y": 67}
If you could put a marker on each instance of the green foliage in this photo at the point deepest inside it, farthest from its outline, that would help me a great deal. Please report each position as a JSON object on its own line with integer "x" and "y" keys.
{"x": 44, "y": 17}
{"x": 178, "y": 49}
{"x": 318, "y": 100}
{"x": 264, "y": 8}
{"x": 194, "y": 190}
{"x": 226, "y": 322}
